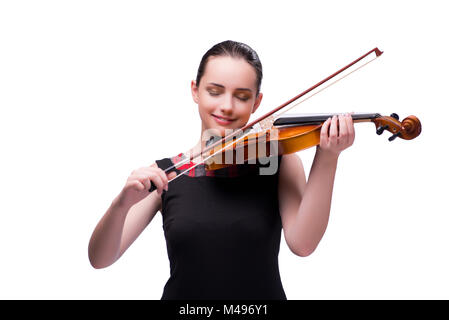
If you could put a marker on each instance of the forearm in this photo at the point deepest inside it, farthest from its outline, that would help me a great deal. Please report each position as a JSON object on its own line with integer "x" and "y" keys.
{"x": 313, "y": 213}
{"x": 104, "y": 245}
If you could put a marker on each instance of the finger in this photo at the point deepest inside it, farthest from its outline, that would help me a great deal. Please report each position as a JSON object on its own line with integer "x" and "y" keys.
{"x": 350, "y": 126}
{"x": 147, "y": 182}
{"x": 143, "y": 179}
{"x": 163, "y": 176}
{"x": 157, "y": 181}
{"x": 171, "y": 175}
{"x": 333, "y": 131}
{"x": 151, "y": 171}
{"x": 343, "y": 132}
{"x": 324, "y": 135}
{"x": 137, "y": 185}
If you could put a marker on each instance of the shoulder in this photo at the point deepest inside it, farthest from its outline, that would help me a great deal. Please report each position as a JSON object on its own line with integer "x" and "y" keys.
{"x": 168, "y": 162}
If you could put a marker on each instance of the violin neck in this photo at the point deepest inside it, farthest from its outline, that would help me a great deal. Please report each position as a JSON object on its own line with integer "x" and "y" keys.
{"x": 365, "y": 117}
{"x": 310, "y": 119}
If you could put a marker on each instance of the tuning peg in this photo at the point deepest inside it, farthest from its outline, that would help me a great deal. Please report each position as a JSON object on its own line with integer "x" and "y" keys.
{"x": 397, "y": 134}
{"x": 381, "y": 129}
{"x": 394, "y": 115}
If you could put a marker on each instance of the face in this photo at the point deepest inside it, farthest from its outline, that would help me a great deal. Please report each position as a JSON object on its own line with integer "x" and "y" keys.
{"x": 226, "y": 96}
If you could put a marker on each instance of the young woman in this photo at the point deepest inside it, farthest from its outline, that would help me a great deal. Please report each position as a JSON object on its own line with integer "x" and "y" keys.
{"x": 223, "y": 228}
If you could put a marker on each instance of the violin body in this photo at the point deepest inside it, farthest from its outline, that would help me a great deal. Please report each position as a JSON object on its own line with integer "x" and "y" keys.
{"x": 294, "y": 133}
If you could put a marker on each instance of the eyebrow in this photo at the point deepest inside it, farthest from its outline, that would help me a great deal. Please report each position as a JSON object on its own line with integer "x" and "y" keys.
{"x": 222, "y": 86}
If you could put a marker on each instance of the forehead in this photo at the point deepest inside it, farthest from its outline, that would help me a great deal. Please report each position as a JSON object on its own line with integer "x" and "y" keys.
{"x": 230, "y": 72}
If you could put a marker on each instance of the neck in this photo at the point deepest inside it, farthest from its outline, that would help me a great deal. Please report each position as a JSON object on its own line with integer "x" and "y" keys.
{"x": 195, "y": 152}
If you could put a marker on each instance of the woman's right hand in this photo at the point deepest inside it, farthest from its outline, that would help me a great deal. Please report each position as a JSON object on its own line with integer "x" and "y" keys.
{"x": 139, "y": 182}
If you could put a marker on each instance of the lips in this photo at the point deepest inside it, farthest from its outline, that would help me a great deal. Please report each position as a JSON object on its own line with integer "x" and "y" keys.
{"x": 222, "y": 120}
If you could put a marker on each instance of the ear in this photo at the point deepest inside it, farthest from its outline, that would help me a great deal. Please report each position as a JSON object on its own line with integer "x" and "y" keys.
{"x": 257, "y": 102}
{"x": 194, "y": 89}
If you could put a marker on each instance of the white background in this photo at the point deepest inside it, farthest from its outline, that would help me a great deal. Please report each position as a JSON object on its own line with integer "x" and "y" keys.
{"x": 90, "y": 90}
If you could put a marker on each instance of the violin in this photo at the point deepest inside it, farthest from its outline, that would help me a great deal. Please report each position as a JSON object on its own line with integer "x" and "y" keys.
{"x": 276, "y": 134}
{"x": 293, "y": 133}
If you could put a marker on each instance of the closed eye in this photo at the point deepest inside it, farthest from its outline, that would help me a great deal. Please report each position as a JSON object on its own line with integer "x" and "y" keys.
{"x": 214, "y": 93}
{"x": 243, "y": 98}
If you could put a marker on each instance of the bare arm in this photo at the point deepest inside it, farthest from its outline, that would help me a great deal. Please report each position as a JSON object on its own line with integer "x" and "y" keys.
{"x": 305, "y": 207}
{"x": 128, "y": 215}
{"x": 118, "y": 229}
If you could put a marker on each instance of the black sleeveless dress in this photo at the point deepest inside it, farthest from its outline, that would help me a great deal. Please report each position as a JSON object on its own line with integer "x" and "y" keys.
{"x": 222, "y": 234}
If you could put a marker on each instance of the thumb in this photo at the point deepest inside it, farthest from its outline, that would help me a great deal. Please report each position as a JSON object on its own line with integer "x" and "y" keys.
{"x": 171, "y": 175}
{"x": 139, "y": 186}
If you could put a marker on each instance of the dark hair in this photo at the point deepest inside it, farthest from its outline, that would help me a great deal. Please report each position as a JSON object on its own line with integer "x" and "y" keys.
{"x": 236, "y": 50}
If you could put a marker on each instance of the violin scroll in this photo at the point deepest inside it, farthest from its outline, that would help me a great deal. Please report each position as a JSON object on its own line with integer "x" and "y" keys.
{"x": 408, "y": 129}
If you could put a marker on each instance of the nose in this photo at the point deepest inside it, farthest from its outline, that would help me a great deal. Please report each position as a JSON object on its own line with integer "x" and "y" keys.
{"x": 227, "y": 105}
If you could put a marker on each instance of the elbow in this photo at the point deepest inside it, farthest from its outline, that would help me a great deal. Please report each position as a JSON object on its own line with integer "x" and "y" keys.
{"x": 92, "y": 257}
{"x": 303, "y": 249}
{"x": 301, "y": 246}
{"x": 96, "y": 261}
{"x": 97, "y": 264}
{"x": 304, "y": 252}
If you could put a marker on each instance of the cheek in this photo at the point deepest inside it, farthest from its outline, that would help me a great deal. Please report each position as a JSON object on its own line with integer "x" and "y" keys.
{"x": 207, "y": 103}
{"x": 244, "y": 110}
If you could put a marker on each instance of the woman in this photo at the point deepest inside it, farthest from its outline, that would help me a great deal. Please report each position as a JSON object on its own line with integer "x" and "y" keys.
{"x": 223, "y": 228}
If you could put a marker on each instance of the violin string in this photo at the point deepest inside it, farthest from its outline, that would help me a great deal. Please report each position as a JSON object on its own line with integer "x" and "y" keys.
{"x": 242, "y": 137}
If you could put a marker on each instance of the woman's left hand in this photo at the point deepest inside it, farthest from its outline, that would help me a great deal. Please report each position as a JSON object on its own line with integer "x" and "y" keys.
{"x": 337, "y": 134}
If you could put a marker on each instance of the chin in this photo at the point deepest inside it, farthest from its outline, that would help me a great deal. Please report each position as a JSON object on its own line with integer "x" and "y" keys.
{"x": 219, "y": 131}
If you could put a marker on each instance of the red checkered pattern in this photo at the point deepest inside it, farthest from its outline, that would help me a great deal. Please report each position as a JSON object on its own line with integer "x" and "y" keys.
{"x": 200, "y": 170}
